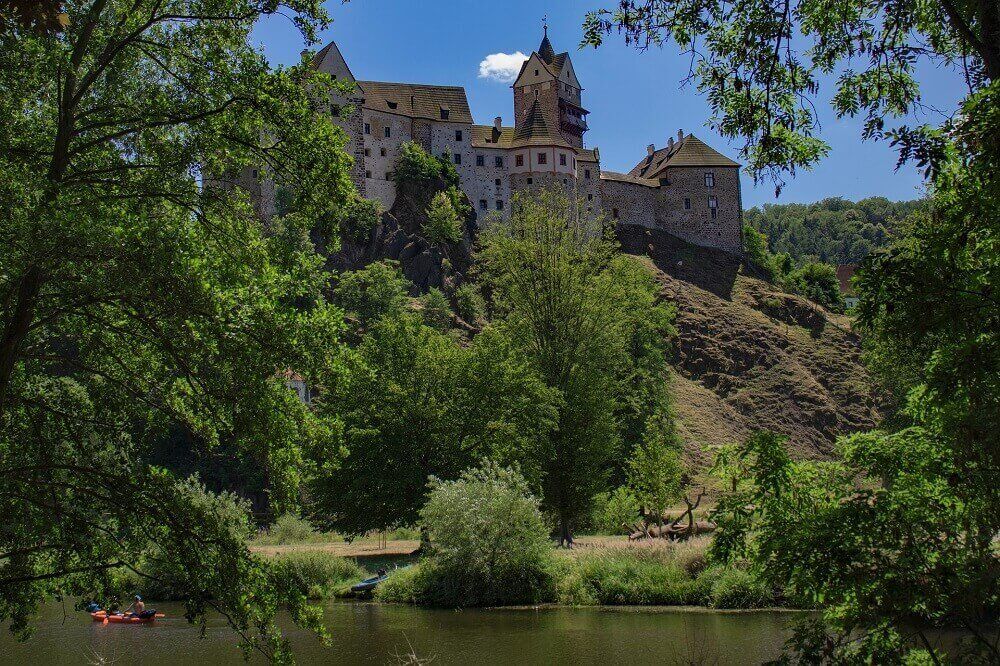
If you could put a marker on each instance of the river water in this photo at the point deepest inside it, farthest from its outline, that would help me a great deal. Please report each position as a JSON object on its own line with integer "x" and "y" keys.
{"x": 365, "y": 633}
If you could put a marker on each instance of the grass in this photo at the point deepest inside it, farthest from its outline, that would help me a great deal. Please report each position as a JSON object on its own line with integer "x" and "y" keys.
{"x": 317, "y": 574}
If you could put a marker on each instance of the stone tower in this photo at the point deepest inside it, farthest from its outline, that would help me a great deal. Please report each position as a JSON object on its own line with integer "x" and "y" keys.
{"x": 547, "y": 84}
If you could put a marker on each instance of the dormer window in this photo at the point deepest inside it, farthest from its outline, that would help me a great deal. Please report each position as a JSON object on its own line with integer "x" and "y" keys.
{"x": 536, "y": 72}
{"x": 392, "y": 105}
{"x": 445, "y": 113}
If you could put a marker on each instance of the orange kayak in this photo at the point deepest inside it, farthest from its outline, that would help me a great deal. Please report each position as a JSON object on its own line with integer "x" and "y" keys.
{"x": 102, "y": 616}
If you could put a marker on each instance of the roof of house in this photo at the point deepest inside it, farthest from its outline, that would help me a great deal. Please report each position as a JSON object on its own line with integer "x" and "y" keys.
{"x": 626, "y": 178}
{"x": 587, "y": 155}
{"x": 417, "y": 100}
{"x": 687, "y": 152}
{"x": 535, "y": 131}
{"x": 487, "y": 136}
{"x": 844, "y": 274}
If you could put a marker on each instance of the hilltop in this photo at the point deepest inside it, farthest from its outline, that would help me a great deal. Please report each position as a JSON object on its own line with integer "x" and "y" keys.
{"x": 752, "y": 357}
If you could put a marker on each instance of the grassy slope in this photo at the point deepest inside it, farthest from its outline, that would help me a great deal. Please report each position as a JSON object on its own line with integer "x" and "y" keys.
{"x": 751, "y": 357}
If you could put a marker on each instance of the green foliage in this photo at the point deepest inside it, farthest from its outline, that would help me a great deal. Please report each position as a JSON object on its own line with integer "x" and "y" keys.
{"x": 371, "y": 293}
{"x": 611, "y": 511}
{"x": 137, "y": 297}
{"x": 315, "y": 574}
{"x": 291, "y": 529}
{"x": 358, "y": 218}
{"x": 435, "y": 310}
{"x": 834, "y": 231}
{"x": 655, "y": 466}
{"x": 588, "y": 320}
{"x": 491, "y": 545}
{"x": 443, "y": 224}
{"x": 760, "y": 64}
{"x": 416, "y": 167}
{"x": 414, "y": 403}
{"x": 469, "y": 303}
{"x": 817, "y": 282}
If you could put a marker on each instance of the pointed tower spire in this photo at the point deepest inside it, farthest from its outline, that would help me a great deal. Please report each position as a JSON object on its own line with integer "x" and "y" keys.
{"x": 545, "y": 50}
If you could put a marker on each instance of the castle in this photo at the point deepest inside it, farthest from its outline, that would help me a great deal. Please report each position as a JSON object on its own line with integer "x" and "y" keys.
{"x": 685, "y": 188}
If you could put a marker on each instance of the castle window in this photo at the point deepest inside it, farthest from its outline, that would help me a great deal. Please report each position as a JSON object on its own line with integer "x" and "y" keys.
{"x": 381, "y": 152}
{"x": 458, "y": 158}
{"x": 458, "y": 135}
{"x": 687, "y": 204}
{"x": 715, "y": 213}
{"x": 709, "y": 179}
{"x": 543, "y": 158}
{"x": 586, "y": 173}
{"x": 498, "y": 161}
{"x": 497, "y": 182}
{"x": 445, "y": 113}
{"x": 255, "y": 173}
{"x": 483, "y": 205}
{"x": 590, "y": 197}
{"x": 368, "y": 174}
{"x": 565, "y": 182}
{"x": 368, "y": 128}
{"x": 388, "y": 131}
{"x": 531, "y": 181}
{"x": 519, "y": 160}
{"x": 480, "y": 160}
{"x": 536, "y": 74}
{"x": 562, "y": 159}
{"x": 499, "y": 204}
{"x": 713, "y": 203}
{"x": 614, "y": 213}
{"x": 368, "y": 152}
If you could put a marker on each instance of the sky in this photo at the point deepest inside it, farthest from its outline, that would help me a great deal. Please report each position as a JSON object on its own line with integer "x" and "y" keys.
{"x": 634, "y": 98}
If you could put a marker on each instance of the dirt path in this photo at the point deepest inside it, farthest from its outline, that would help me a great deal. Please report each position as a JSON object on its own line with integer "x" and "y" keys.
{"x": 359, "y": 548}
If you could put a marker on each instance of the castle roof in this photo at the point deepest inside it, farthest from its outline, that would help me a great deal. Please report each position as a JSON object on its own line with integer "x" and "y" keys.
{"x": 689, "y": 151}
{"x": 626, "y": 178}
{"x": 535, "y": 131}
{"x": 545, "y": 49}
{"x": 587, "y": 155}
{"x": 417, "y": 100}
{"x": 488, "y": 136}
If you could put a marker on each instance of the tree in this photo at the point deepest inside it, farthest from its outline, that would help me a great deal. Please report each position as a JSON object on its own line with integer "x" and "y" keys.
{"x": 378, "y": 290}
{"x": 759, "y": 62}
{"x": 574, "y": 307}
{"x": 819, "y": 283}
{"x": 414, "y": 404}
{"x": 435, "y": 310}
{"x": 655, "y": 467}
{"x": 442, "y": 224}
{"x": 135, "y": 298}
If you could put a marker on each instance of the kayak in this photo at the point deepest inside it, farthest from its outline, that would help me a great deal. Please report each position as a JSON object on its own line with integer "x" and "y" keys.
{"x": 103, "y": 616}
{"x": 368, "y": 584}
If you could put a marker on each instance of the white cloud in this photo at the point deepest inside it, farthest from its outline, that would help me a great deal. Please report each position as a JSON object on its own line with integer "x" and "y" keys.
{"x": 502, "y": 67}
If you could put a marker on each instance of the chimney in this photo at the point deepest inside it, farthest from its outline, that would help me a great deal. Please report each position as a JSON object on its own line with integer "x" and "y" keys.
{"x": 497, "y": 122}
{"x": 650, "y": 149}
{"x": 670, "y": 142}
{"x": 680, "y": 135}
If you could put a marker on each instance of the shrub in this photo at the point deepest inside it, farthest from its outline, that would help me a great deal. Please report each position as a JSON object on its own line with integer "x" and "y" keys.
{"x": 491, "y": 545}
{"x": 469, "y": 302}
{"x": 436, "y": 310}
{"x": 611, "y": 510}
{"x": 443, "y": 224}
{"x": 288, "y": 528}
{"x": 735, "y": 588}
{"x": 415, "y": 166}
{"x": 316, "y": 574}
{"x": 375, "y": 291}
{"x": 358, "y": 217}
{"x": 625, "y": 576}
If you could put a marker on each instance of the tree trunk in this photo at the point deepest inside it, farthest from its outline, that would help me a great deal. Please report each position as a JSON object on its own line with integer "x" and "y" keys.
{"x": 565, "y": 533}
{"x": 18, "y": 326}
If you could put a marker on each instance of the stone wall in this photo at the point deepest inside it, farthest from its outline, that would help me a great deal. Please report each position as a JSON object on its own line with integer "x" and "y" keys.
{"x": 379, "y": 166}
{"x": 629, "y": 203}
{"x": 696, "y": 225}
{"x": 482, "y": 186}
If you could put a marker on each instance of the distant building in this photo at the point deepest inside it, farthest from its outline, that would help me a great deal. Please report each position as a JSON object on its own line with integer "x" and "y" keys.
{"x": 845, "y": 273}
{"x": 685, "y": 187}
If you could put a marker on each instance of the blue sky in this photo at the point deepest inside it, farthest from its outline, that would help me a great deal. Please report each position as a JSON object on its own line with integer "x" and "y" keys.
{"x": 634, "y": 98}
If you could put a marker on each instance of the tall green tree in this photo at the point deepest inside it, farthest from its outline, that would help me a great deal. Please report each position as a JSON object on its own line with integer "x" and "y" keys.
{"x": 136, "y": 298}
{"x": 415, "y": 404}
{"x": 654, "y": 469}
{"x": 589, "y": 320}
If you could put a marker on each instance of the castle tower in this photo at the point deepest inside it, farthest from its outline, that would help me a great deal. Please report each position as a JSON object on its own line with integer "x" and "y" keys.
{"x": 547, "y": 84}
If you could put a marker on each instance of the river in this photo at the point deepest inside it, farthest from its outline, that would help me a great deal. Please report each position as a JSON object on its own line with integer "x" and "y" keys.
{"x": 365, "y": 633}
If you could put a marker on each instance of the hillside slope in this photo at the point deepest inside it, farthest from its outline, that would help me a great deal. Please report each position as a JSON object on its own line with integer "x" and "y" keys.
{"x": 751, "y": 357}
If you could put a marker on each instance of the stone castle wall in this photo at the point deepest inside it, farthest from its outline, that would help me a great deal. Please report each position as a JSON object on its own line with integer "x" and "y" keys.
{"x": 696, "y": 225}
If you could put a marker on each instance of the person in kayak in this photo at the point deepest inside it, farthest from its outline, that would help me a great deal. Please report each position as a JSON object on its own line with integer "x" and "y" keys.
{"x": 137, "y": 607}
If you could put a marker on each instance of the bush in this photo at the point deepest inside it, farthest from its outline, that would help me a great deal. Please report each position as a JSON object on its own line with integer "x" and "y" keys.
{"x": 358, "y": 217}
{"x": 288, "y": 528}
{"x": 316, "y": 574}
{"x": 491, "y": 545}
{"x": 735, "y": 588}
{"x": 469, "y": 303}
{"x": 435, "y": 310}
{"x": 443, "y": 224}
{"x": 375, "y": 291}
{"x": 611, "y": 510}
{"x": 415, "y": 166}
